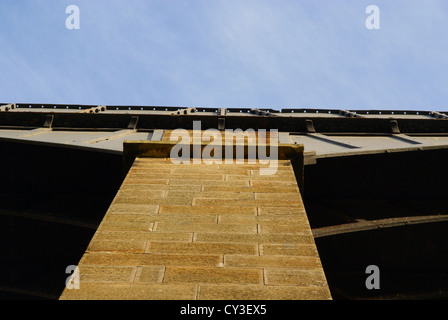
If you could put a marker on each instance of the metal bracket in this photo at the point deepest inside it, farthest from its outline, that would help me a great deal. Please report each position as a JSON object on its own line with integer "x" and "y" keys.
{"x": 48, "y": 121}
{"x": 438, "y": 115}
{"x": 157, "y": 135}
{"x": 184, "y": 111}
{"x": 310, "y": 126}
{"x": 309, "y": 157}
{"x": 259, "y": 112}
{"x": 7, "y": 107}
{"x": 94, "y": 109}
{"x": 347, "y": 113}
{"x": 133, "y": 123}
{"x": 394, "y": 127}
{"x": 221, "y": 123}
{"x": 396, "y": 134}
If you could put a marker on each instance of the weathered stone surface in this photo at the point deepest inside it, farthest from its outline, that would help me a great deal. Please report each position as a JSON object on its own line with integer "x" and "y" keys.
{"x": 128, "y": 246}
{"x": 206, "y": 227}
{"x": 273, "y": 177}
{"x": 304, "y": 278}
{"x": 126, "y": 259}
{"x": 267, "y": 189}
{"x": 142, "y": 235}
{"x": 106, "y": 274}
{"x": 247, "y": 203}
{"x": 211, "y": 195}
{"x": 130, "y": 180}
{"x": 126, "y": 226}
{"x": 152, "y": 201}
{"x": 150, "y": 274}
{"x": 179, "y": 218}
{"x": 280, "y": 210}
{"x": 214, "y": 209}
{"x": 199, "y": 231}
{"x": 201, "y": 248}
{"x": 254, "y": 238}
{"x": 213, "y": 275}
{"x": 284, "y": 228}
{"x": 261, "y": 292}
{"x": 133, "y": 291}
{"x": 285, "y": 262}
{"x": 288, "y": 249}
{"x": 134, "y": 209}
{"x": 150, "y": 187}
{"x": 264, "y": 219}
{"x": 183, "y": 182}
{"x": 277, "y": 196}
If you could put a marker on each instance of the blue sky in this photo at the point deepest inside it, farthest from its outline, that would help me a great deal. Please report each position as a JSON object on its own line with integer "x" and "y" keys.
{"x": 226, "y": 53}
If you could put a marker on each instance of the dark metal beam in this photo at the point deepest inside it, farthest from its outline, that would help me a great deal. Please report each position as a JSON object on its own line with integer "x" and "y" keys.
{"x": 46, "y": 218}
{"x": 323, "y": 125}
{"x": 28, "y": 292}
{"x": 364, "y": 225}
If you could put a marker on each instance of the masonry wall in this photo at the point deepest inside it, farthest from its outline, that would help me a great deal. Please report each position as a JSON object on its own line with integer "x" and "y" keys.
{"x": 203, "y": 231}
